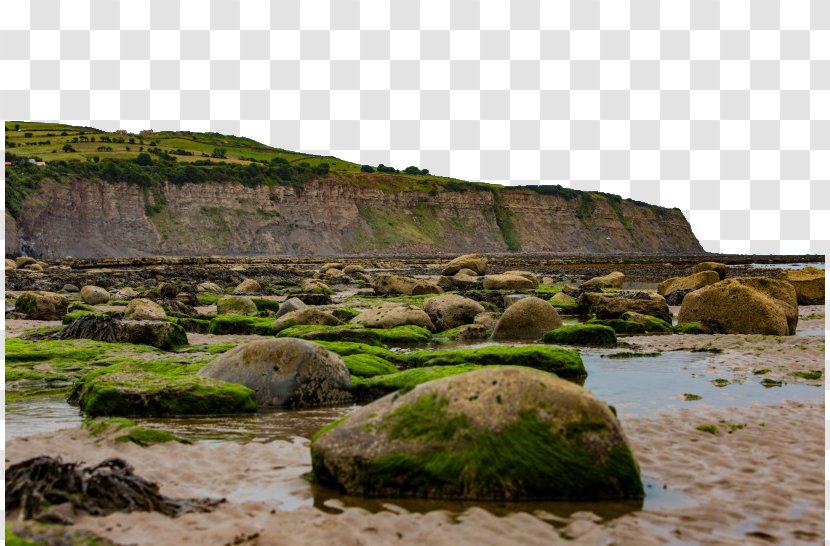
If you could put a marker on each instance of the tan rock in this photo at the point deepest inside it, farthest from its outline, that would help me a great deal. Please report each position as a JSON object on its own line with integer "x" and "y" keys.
{"x": 248, "y": 286}
{"x": 508, "y": 282}
{"x": 717, "y": 267}
{"x": 527, "y": 318}
{"x": 144, "y": 309}
{"x": 612, "y": 280}
{"x": 386, "y": 284}
{"x": 450, "y": 310}
{"x": 93, "y": 295}
{"x": 41, "y": 305}
{"x": 808, "y": 283}
{"x": 691, "y": 282}
{"x": 475, "y": 262}
{"x": 390, "y": 315}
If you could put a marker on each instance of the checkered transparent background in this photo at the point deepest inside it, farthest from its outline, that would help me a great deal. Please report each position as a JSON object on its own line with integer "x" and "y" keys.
{"x": 719, "y": 108}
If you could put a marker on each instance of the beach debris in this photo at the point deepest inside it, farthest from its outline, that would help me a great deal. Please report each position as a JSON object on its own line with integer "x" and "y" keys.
{"x": 34, "y": 485}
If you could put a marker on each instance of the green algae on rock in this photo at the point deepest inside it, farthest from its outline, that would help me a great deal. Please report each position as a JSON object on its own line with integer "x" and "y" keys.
{"x": 366, "y": 389}
{"x": 124, "y": 430}
{"x": 355, "y": 333}
{"x": 620, "y": 326}
{"x": 562, "y": 362}
{"x": 365, "y": 365}
{"x": 158, "y": 388}
{"x": 494, "y": 433}
{"x": 595, "y": 335}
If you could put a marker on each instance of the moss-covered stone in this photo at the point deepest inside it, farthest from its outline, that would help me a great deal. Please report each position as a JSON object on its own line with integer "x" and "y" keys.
{"x": 41, "y": 305}
{"x": 372, "y": 388}
{"x": 499, "y": 433}
{"x": 595, "y": 335}
{"x": 263, "y": 304}
{"x": 345, "y": 314}
{"x": 650, "y": 323}
{"x": 355, "y": 333}
{"x": 158, "y": 388}
{"x": 242, "y": 325}
{"x": 692, "y": 328}
{"x": 365, "y": 365}
{"x": 620, "y": 326}
{"x": 72, "y": 316}
{"x": 346, "y": 348}
{"x": 563, "y": 362}
{"x": 123, "y": 430}
{"x": 235, "y": 305}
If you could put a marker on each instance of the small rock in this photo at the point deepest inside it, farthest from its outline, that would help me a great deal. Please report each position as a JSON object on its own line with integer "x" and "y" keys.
{"x": 291, "y": 304}
{"x": 248, "y": 286}
{"x": 94, "y": 295}
{"x": 528, "y": 318}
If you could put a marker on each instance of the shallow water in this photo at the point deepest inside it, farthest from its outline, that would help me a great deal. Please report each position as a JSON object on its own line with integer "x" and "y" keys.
{"x": 818, "y": 265}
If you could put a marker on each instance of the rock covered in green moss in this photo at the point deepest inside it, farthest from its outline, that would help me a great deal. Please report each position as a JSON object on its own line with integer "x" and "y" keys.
{"x": 248, "y": 286}
{"x": 467, "y": 332}
{"x": 284, "y": 373}
{"x": 651, "y": 324}
{"x": 451, "y": 310}
{"x": 562, "y": 362}
{"x": 692, "y": 328}
{"x": 156, "y": 333}
{"x": 158, "y": 389}
{"x": 235, "y": 305}
{"x": 391, "y": 314}
{"x": 620, "y": 326}
{"x": 595, "y": 335}
{"x": 614, "y": 305}
{"x": 41, "y": 305}
{"x": 528, "y": 318}
{"x": 366, "y": 389}
{"x": 122, "y": 430}
{"x": 346, "y": 348}
{"x": 144, "y": 309}
{"x": 241, "y": 325}
{"x": 496, "y": 433}
{"x": 366, "y": 365}
{"x": 315, "y": 286}
{"x": 356, "y": 333}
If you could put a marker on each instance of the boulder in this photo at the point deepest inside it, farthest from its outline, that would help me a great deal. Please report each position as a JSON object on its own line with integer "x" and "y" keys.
{"x": 289, "y": 305}
{"x": 612, "y": 306}
{"x": 528, "y": 318}
{"x": 612, "y": 280}
{"x": 23, "y": 261}
{"x": 125, "y": 293}
{"x": 386, "y": 284}
{"x": 474, "y": 262}
{"x": 315, "y": 286}
{"x": 166, "y": 290}
{"x": 717, "y": 267}
{"x": 34, "y": 267}
{"x": 465, "y": 272}
{"x": 526, "y": 274}
{"x": 314, "y": 298}
{"x": 285, "y": 372}
{"x": 235, "y": 305}
{"x": 459, "y": 282}
{"x": 41, "y": 305}
{"x": 488, "y": 319}
{"x": 248, "y": 286}
{"x": 306, "y": 315}
{"x": 648, "y": 322}
{"x": 352, "y": 269}
{"x": 744, "y": 305}
{"x": 450, "y": 310}
{"x": 11, "y": 264}
{"x": 510, "y": 299}
{"x": 144, "y": 309}
{"x": 593, "y": 335}
{"x": 331, "y": 265}
{"x": 390, "y": 315}
{"x": 808, "y": 283}
{"x": 156, "y": 333}
{"x": 70, "y": 288}
{"x": 93, "y": 295}
{"x": 687, "y": 284}
{"x": 469, "y": 332}
{"x": 209, "y": 287}
{"x": 489, "y": 434}
{"x": 508, "y": 282}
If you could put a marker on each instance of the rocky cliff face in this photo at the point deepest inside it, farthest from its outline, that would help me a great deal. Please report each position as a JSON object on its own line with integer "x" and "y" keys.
{"x": 340, "y": 214}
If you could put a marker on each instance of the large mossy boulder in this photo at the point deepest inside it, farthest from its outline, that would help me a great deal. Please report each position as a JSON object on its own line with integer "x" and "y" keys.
{"x": 41, "y": 305}
{"x": 94, "y": 295}
{"x": 744, "y": 305}
{"x": 649, "y": 323}
{"x": 451, "y": 310}
{"x": 686, "y": 284}
{"x": 285, "y": 373}
{"x": 808, "y": 283}
{"x": 509, "y": 281}
{"x": 717, "y": 267}
{"x": 612, "y": 280}
{"x": 235, "y": 305}
{"x": 474, "y": 262}
{"x": 359, "y": 334}
{"x": 157, "y": 389}
{"x": 614, "y": 305}
{"x": 392, "y": 285}
{"x": 562, "y": 362}
{"x": 528, "y": 318}
{"x": 367, "y": 365}
{"x": 391, "y": 315}
{"x": 496, "y": 434}
{"x": 592, "y": 335}
{"x": 144, "y": 309}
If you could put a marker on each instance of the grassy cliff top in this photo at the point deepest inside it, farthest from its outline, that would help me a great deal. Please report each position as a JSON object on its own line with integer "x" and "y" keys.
{"x": 149, "y": 158}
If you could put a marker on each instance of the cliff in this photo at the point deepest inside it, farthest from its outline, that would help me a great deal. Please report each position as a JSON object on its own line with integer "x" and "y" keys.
{"x": 334, "y": 214}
